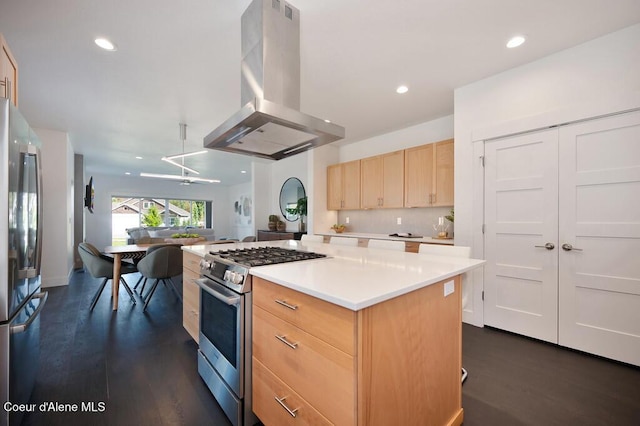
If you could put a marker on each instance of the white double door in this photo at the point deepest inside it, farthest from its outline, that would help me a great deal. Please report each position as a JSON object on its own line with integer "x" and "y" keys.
{"x": 562, "y": 236}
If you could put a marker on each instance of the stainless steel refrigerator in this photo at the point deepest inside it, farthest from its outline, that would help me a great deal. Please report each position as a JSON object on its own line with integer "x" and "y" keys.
{"x": 20, "y": 257}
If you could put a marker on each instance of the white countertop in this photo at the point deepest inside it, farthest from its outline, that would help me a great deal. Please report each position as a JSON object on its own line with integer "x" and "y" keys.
{"x": 352, "y": 277}
{"x": 424, "y": 239}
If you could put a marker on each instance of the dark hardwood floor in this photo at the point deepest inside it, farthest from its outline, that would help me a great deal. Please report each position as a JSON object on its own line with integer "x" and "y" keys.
{"x": 143, "y": 367}
{"x": 516, "y": 381}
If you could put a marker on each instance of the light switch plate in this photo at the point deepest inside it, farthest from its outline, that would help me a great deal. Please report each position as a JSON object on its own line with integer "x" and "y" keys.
{"x": 448, "y": 288}
{"x": 399, "y": 221}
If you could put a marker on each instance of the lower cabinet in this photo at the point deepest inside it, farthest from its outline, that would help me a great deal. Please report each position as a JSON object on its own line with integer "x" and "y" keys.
{"x": 191, "y": 294}
{"x": 397, "y": 362}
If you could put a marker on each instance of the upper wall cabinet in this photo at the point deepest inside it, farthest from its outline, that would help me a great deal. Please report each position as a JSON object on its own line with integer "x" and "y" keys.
{"x": 382, "y": 181}
{"x": 429, "y": 175}
{"x": 8, "y": 73}
{"x": 343, "y": 186}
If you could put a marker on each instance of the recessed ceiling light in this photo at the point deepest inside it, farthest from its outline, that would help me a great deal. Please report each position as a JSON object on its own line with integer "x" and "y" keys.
{"x": 127, "y": 173}
{"x": 515, "y": 41}
{"x": 105, "y": 44}
{"x": 327, "y": 121}
{"x": 138, "y": 158}
{"x": 402, "y": 89}
{"x": 243, "y": 171}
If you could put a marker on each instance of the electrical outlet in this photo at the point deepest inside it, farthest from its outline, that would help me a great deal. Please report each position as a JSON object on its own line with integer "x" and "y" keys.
{"x": 346, "y": 220}
{"x": 399, "y": 221}
{"x": 448, "y": 288}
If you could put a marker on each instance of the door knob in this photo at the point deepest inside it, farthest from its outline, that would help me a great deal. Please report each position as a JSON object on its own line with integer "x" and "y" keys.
{"x": 548, "y": 246}
{"x": 569, "y": 247}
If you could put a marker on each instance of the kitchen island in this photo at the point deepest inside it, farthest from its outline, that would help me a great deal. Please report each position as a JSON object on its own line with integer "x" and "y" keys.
{"x": 363, "y": 337}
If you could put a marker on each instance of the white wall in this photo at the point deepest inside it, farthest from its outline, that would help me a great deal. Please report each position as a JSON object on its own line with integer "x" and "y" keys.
{"x": 261, "y": 189}
{"x": 295, "y": 166}
{"x": 241, "y": 224}
{"x": 57, "y": 186}
{"x": 420, "y": 134}
{"x": 98, "y": 224}
{"x": 319, "y": 218}
{"x": 591, "y": 79}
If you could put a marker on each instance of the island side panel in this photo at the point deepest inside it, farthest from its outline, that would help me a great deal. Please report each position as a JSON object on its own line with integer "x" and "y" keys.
{"x": 410, "y": 359}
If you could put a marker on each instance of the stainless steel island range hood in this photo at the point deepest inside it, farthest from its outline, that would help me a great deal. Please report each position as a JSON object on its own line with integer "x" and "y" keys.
{"x": 270, "y": 125}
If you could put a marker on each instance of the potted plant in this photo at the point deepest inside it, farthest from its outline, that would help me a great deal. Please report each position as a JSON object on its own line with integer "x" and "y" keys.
{"x": 273, "y": 222}
{"x": 301, "y": 210}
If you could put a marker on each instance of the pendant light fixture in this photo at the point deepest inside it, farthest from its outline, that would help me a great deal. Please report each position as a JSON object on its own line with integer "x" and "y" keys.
{"x": 171, "y": 159}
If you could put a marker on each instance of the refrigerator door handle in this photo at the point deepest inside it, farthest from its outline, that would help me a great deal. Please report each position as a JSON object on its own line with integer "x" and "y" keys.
{"x": 21, "y": 328}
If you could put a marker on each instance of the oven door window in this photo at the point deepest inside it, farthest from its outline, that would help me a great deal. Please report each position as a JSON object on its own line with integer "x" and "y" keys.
{"x": 220, "y": 323}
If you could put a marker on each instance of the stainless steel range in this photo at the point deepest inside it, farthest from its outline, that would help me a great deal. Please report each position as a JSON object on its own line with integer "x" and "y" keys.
{"x": 224, "y": 357}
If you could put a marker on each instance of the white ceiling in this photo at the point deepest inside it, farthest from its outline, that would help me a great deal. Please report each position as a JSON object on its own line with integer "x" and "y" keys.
{"x": 179, "y": 61}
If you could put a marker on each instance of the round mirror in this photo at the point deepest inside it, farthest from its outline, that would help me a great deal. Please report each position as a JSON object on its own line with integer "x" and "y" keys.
{"x": 293, "y": 199}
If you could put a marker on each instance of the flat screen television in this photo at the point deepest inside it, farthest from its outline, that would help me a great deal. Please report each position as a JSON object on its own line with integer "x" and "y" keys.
{"x": 89, "y": 195}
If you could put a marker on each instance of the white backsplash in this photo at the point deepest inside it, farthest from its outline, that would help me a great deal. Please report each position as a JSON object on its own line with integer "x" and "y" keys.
{"x": 418, "y": 221}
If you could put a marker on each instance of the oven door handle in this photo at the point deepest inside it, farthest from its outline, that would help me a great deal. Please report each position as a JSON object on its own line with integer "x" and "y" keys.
{"x": 208, "y": 286}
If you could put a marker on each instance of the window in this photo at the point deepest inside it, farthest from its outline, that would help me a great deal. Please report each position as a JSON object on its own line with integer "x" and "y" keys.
{"x": 138, "y": 212}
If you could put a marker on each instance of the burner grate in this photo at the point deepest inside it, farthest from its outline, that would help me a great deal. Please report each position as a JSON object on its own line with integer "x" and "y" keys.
{"x": 259, "y": 256}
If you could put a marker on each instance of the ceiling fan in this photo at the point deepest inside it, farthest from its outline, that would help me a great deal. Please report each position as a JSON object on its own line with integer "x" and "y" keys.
{"x": 183, "y": 177}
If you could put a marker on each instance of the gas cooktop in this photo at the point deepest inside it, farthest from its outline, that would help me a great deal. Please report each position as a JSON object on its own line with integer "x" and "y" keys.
{"x": 259, "y": 256}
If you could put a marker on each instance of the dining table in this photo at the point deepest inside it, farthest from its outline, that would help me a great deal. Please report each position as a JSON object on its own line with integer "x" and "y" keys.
{"x": 130, "y": 251}
{"x": 136, "y": 252}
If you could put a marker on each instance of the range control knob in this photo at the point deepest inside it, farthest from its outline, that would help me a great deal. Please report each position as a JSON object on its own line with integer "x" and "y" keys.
{"x": 237, "y": 278}
{"x": 227, "y": 275}
{"x": 204, "y": 264}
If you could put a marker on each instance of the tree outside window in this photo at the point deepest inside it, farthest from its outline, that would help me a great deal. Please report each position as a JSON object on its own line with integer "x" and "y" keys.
{"x": 152, "y": 217}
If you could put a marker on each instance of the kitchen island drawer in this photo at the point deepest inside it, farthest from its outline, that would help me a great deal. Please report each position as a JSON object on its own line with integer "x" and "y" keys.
{"x": 317, "y": 371}
{"x": 326, "y": 321}
{"x": 272, "y": 401}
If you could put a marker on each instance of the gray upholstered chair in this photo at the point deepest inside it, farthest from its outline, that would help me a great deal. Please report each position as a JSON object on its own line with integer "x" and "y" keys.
{"x": 101, "y": 266}
{"x": 249, "y": 239}
{"x": 160, "y": 263}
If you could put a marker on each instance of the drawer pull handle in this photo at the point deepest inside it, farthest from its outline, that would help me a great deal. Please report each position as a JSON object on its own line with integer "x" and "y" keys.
{"x": 284, "y": 340}
{"x": 286, "y": 305}
{"x": 289, "y": 410}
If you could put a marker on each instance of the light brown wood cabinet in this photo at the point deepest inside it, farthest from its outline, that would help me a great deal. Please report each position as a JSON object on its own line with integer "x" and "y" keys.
{"x": 382, "y": 181}
{"x": 191, "y": 294}
{"x": 429, "y": 175}
{"x": 8, "y": 73}
{"x": 329, "y": 365}
{"x": 343, "y": 186}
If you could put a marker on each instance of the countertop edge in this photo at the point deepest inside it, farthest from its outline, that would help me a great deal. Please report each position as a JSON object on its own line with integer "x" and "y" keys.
{"x": 365, "y": 303}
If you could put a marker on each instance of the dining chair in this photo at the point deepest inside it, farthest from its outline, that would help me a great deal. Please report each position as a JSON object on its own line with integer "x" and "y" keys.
{"x": 312, "y": 238}
{"x": 101, "y": 266}
{"x": 387, "y": 245}
{"x": 447, "y": 250}
{"x": 249, "y": 239}
{"x": 344, "y": 241}
{"x": 161, "y": 263}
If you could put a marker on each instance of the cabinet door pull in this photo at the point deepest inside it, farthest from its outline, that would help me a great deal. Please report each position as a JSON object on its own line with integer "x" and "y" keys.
{"x": 286, "y": 305}
{"x": 284, "y": 340}
{"x": 289, "y": 410}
